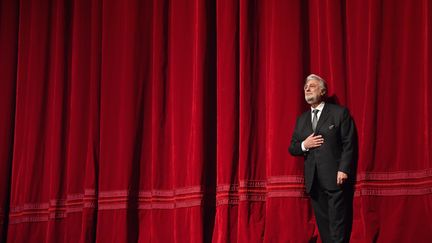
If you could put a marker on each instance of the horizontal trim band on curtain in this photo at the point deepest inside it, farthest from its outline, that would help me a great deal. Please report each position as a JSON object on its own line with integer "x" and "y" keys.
{"x": 260, "y": 190}
{"x": 417, "y": 174}
{"x": 368, "y": 184}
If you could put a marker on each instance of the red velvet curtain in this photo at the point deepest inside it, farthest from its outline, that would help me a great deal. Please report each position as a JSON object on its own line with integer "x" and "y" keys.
{"x": 169, "y": 121}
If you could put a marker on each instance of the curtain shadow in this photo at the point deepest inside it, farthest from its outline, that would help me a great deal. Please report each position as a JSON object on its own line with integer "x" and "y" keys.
{"x": 209, "y": 124}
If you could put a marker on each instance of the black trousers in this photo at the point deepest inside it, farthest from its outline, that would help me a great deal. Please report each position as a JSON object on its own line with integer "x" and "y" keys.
{"x": 330, "y": 209}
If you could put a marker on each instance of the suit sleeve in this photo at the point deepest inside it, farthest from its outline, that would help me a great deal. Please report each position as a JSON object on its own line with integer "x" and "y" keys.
{"x": 347, "y": 138}
{"x": 295, "y": 146}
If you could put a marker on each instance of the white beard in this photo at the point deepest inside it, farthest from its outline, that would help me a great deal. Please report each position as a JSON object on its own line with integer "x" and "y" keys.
{"x": 311, "y": 99}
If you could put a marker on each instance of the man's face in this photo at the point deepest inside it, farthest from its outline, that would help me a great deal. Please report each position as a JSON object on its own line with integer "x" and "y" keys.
{"x": 313, "y": 92}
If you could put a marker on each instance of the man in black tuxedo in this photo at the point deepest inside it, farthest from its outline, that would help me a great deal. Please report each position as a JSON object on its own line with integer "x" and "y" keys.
{"x": 324, "y": 136}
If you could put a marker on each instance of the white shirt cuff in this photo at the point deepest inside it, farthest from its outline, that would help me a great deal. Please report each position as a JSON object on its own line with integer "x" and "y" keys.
{"x": 303, "y": 147}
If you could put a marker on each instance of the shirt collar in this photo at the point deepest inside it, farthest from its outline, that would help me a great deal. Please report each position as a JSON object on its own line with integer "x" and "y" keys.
{"x": 320, "y": 107}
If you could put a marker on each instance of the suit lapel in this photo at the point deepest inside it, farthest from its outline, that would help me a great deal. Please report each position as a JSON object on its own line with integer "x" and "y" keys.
{"x": 308, "y": 124}
{"x": 323, "y": 118}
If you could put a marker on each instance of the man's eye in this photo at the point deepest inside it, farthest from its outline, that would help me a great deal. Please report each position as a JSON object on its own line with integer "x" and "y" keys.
{"x": 310, "y": 86}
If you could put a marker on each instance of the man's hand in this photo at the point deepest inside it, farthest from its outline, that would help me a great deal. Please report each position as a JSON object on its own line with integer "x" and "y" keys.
{"x": 313, "y": 141}
{"x": 341, "y": 178}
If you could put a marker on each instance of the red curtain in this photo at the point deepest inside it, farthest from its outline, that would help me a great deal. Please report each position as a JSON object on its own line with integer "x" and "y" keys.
{"x": 169, "y": 121}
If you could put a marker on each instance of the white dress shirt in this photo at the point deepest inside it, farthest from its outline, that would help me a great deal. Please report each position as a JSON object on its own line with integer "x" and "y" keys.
{"x": 320, "y": 107}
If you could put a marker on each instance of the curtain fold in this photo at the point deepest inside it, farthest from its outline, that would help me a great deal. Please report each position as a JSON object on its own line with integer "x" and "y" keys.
{"x": 169, "y": 121}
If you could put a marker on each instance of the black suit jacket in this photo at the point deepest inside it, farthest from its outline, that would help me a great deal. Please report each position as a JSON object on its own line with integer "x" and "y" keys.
{"x": 335, "y": 154}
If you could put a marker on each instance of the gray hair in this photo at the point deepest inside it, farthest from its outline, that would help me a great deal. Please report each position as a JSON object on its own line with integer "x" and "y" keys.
{"x": 322, "y": 82}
